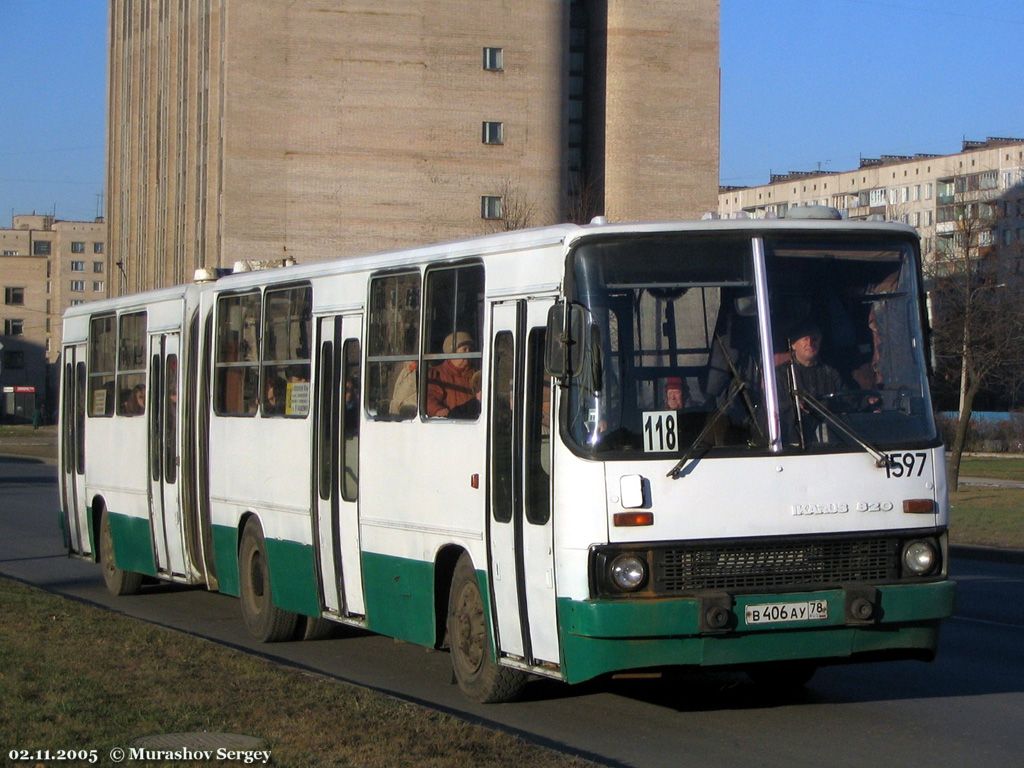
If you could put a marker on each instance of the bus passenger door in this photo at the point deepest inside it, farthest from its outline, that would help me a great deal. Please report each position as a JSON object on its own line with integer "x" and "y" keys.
{"x": 336, "y": 462}
{"x": 72, "y": 420}
{"x": 163, "y": 429}
{"x": 520, "y": 531}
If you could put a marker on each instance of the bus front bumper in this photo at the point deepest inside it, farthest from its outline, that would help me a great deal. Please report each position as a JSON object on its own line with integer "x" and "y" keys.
{"x": 603, "y": 636}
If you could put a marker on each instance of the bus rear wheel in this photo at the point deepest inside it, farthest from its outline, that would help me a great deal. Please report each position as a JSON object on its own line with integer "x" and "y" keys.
{"x": 118, "y": 581}
{"x": 264, "y": 620}
{"x": 476, "y": 670}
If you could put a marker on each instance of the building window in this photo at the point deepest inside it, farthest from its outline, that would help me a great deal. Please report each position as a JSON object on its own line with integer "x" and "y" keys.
{"x": 493, "y": 133}
{"x": 494, "y": 59}
{"x": 97, "y": 247}
{"x": 78, "y": 266}
{"x": 77, "y": 286}
{"x": 97, "y": 267}
{"x": 77, "y": 247}
{"x": 10, "y": 253}
{"x": 490, "y": 207}
{"x": 41, "y": 248}
{"x": 14, "y": 296}
{"x": 76, "y": 302}
{"x": 97, "y": 285}
{"x": 14, "y": 359}
{"x": 14, "y": 327}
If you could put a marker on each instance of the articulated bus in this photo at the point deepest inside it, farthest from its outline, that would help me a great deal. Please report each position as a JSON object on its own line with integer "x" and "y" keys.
{"x": 566, "y": 452}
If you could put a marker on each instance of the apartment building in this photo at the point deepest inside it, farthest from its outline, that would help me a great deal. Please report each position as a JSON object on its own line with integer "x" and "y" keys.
{"x": 262, "y": 130}
{"x": 984, "y": 181}
{"x": 46, "y": 266}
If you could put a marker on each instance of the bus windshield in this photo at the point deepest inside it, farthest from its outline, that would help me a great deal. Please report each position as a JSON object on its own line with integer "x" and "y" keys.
{"x": 675, "y": 359}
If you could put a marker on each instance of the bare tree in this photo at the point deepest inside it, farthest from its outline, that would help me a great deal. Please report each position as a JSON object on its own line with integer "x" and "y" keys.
{"x": 518, "y": 210}
{"x": 975, "y": 296}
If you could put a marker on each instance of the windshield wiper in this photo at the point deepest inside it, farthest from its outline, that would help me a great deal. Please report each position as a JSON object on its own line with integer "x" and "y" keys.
{"x": 737, "y": 387}
{"x": 799, "y": 396}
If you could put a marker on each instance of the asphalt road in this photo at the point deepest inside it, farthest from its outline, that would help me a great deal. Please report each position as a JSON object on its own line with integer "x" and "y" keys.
{"x": 965, "y": 709}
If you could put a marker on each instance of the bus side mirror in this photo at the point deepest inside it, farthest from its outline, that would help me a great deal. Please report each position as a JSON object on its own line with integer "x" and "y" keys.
{"x": 563, "y": 352}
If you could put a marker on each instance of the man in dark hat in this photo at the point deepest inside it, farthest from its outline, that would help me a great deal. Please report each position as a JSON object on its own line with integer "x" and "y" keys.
{"x": 811, "y": 377}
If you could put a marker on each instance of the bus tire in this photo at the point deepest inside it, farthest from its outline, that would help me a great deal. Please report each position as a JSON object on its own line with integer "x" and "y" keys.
{"x": 476, "y": 670}
{"x": 119, "y": 582}
{"x": 264, "y": 620}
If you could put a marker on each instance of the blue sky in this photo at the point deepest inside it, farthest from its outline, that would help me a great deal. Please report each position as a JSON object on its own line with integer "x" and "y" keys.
{"x": 805, "y": 84}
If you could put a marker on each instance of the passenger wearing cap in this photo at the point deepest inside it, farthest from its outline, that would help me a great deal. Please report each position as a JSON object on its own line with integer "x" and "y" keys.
{"x": 451, "y": 391}
{"x": 675, "y": 395}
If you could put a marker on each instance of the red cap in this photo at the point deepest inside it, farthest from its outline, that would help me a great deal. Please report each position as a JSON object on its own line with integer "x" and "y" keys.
{"x": 673, "y": 382}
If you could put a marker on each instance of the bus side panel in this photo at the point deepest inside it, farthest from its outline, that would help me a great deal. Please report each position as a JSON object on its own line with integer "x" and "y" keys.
{"x": 293, "y": 579}
{"x": 133, "y": 543}
{"x": 399, "y": 597}
{"x": 225, "y": 557}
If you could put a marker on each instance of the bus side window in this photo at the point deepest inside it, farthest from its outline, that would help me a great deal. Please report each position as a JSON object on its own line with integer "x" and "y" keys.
{"x": 131, "y": 364}
{"x": 236, "y": 385}
{"x": 102, "y": 364}
{"x": 392, "y": 359}
{"x": 502, "y": 442}
{"x": 538, "y": 432}
{"x": 287, "y": 316}
{"x": 350, "y": 421}
{"x": 454, "y": 315}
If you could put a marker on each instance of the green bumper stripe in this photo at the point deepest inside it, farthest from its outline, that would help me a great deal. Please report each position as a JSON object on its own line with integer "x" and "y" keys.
{"x": 293, "y": 583}
{"x": 133, "y": 544}
{"x": 400, "y": 597}
{"x": 608, "y": 636}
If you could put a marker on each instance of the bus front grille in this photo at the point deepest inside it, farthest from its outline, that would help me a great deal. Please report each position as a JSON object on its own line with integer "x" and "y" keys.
{"x": 737, "y": 567}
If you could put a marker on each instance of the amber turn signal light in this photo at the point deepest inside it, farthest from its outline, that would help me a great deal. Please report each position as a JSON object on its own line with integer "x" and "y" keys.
{"x": 631, "y": 519}
{"x": 919, "y": 506}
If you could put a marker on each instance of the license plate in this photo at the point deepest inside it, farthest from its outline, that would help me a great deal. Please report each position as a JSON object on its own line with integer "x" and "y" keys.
{"x": 775, "y": 613}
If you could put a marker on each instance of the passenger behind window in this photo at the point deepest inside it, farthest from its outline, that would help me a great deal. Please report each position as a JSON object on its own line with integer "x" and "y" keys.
{"x": 403, "y": 395}
{"x": 135, "y": 401}
{"x": 274, "y": 396}
{"x": 450, "y": 392}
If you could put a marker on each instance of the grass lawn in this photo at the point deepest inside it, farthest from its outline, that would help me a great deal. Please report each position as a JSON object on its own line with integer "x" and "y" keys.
{"x": 73, "y": 675}
{"x": 1000, "y": 469}
{"x": 991, "y": 517}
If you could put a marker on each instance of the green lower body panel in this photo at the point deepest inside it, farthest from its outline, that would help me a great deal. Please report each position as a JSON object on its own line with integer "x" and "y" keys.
{"x": 293, "y": 582}
{"x": 400, "y": 597}
{"x": 133, "y": 544}
{"x": 602, "y": 636}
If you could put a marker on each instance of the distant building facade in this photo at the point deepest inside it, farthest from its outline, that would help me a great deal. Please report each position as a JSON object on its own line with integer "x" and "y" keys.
{"x": 46, "y": 266}
{"x": 261, "y": 130}
{"x": 984, "y": 181}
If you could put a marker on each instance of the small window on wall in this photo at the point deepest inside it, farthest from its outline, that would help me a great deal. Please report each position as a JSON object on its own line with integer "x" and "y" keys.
{"x": 454, "y": 319}
{"x": 102, "y": 365}
{"x": 490, "y": 207}
{"x": 237, "y": 363}
{"x": 493, "y": 133}
{"x": 393, "y": 348}
{"x": 14, "y": 296}
{"x": 77, "y": 247}
{"x": 131, "y": 365}
{"x": 494, "y": 59}
{"x": 286, "y": 324}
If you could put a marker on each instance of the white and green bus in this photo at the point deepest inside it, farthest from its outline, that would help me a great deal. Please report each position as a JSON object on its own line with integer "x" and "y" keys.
{"x": 564, "y": 452}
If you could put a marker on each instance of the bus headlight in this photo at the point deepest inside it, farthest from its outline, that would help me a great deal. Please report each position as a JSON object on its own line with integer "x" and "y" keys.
{"x": 628, "y": 572}
{"x": 920, "y": 557}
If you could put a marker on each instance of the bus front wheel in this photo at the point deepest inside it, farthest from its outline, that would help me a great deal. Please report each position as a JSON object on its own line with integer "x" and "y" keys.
{"x": 476, "y": 670}
{"x": 118, "y": 581}
{"x": 264, "y": 620}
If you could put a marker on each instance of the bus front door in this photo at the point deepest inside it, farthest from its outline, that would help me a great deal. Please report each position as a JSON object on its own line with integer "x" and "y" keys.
{"x": 72, "y": 421}
{"x": 336, "y": 463}
{"x": 164, "y": 462}
{"x": 522, "y": 574}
